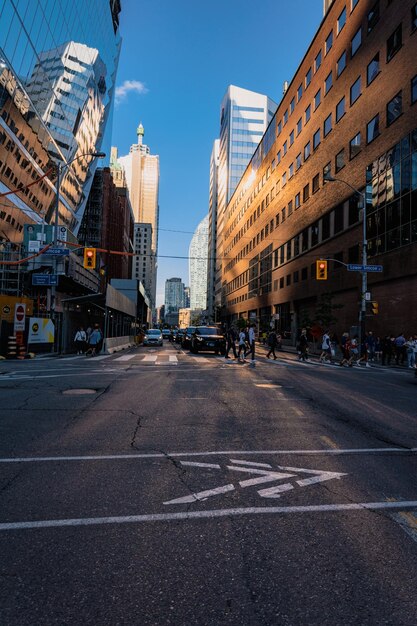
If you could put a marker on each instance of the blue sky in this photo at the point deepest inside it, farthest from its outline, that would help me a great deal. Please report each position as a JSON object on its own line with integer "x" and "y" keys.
{"x": 177, "y": 59}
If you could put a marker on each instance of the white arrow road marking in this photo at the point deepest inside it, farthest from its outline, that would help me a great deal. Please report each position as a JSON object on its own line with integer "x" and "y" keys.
{"x": 201, "y": 495}
{"x": 262, "y": 476}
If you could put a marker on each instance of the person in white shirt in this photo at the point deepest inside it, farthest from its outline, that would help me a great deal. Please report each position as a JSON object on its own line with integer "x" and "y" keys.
{"x": 325, "y": 348}
{"x": 80, "y": 340}
{"x": 242, "y": 345}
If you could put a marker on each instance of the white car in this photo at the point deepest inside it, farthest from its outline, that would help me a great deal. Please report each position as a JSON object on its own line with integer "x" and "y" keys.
{"x": 153, "y": 337}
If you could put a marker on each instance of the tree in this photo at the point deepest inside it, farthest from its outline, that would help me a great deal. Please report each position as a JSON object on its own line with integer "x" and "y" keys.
{"x": 324, "y": 310}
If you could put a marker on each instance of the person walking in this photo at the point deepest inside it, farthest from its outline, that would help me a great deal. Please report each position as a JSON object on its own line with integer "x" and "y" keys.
{"x": 303, "y": 346}
{"x": 96, "y": 339}
{"x": 345, "y": 347}
{"x": 400, "y": 350}
{"x": 326, "y": 354}
{"x": 242, "y": 346}
{"x": 80, "y": 340}
{"x": 386, "y": 350}
{"x": 251, "y": 340}
{"x": 230, "y": 342}
{"x": 371, "y": 346}
{"x": 354, "y": 351}
{"x": 411, "y": 347}
{"x": 272, "y": 342}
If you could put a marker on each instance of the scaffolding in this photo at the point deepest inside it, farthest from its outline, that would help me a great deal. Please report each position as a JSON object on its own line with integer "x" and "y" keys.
{"x": 11, "y": 276}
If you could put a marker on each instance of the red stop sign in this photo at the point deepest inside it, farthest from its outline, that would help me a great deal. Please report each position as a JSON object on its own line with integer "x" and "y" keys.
{"x": 20, "y": 313}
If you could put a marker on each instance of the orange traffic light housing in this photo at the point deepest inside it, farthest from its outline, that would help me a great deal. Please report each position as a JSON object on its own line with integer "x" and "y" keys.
{"x": 321, "y": 270}
{"x": 374, "y": 308}
{"x": 90, "y": 255}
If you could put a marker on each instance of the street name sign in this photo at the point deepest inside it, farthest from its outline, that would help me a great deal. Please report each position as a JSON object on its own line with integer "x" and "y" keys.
{"x": 364, "y": 268}
{"x": 57, "y": 251}
{"x": 44, "y": 279}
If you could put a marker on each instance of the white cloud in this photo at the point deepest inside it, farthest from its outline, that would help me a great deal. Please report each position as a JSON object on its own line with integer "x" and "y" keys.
{"x": 123, "y": 90}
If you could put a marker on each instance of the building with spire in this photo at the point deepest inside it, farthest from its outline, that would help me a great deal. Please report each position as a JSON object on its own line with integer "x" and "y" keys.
{"x": 141, "y": 172}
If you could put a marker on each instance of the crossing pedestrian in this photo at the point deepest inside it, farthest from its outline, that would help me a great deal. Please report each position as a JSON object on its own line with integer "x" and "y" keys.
{"x": 345, "y": 347}
{"x": 80, "y": 340}
{"x": 230, "y": 342}
{"x": 96, "y": 339}
{"x": 303, "y": 346}
{"x": 387, "y": 349}
{"x": 251, "y": 337}
{"x": 411, "y": 347}
{"x": 326, "y": 354}
{"x": 400, "y": 350}
{"x": 272, "y": 342}
{"x": 242, "y": 346}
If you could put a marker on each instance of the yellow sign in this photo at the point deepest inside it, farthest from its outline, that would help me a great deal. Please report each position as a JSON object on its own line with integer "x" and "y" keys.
{"x": 41, "y": 330}
{"x": 7, "y": 307}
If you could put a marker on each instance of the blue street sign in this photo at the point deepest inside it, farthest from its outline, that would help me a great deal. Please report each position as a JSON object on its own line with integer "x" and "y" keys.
{"x": 44, "y": 279}
{"x": 364, "y": 268}
{"x": 57, "y": 251}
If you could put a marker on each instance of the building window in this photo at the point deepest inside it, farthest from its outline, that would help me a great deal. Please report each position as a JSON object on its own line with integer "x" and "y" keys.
{"x": 340, "y": 109}
{"x": 414, "y": 89}
{"x": 291, "y": 171}
{"x": 298, "y": 161}
{"x": 340, "y": 160}
{"x": 329, "y": 43}
{"x": 299, "y": 126}
{"x": 394, "y": 108}
{"x": 297, "y": 201}
{"x": 355, "y": 91}
{"x": 414, "y": 17}
{"x": 317, "y": 62}
{"x": 372, "y": 129}
{"x": 283, "y": 214}
{"x": 306, "y": 193}
{"x": 394, "y": 42}
{"x": 307, "y": 151}
{"x": 284, "y": 148}
{"x": 372, "y": 70}
{"x": 279, "y": 129}
{"x": 308, "y": 77}
{"x": 317, "y": 99}
{"x": 290, "y": 208}
{"x": 328, "y": 83}
{"x": 316, "y": 183}
{"x": 291, "y": 137}
{"x": 341, "y": 63}
{"x": 285, "y": 118}
{"x": 341, "y": 20}
{"x": 353, "y": 4}
{"x": 327, "y": 169}
{"x": 292, "y": 106}
{"x": 299, "y": 93}
{"x": 327, "y": 125}
{"x": 355, "y": 146}
{"x": 284, "y": 179}
{"x": 373, "y": 16}
{"x": 355, "y": 44}
{"x": 307, "y": 113}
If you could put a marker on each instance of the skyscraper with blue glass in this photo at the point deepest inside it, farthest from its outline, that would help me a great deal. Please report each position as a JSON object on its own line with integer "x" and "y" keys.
{"x": 58, "y": 63}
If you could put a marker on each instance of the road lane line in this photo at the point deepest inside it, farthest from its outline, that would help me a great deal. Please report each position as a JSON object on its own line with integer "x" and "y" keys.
{"x": 160, "y": 455}
{"x": 196, "y": 464}
{"x": 216, "y": 513}
{"x": 126, "y": 357}
{"x": 201, "y": 495}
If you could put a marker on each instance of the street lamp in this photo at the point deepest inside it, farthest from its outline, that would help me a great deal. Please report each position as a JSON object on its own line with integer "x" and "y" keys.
{"x": 328, "y": 178}
{"x": 60, "y": 169}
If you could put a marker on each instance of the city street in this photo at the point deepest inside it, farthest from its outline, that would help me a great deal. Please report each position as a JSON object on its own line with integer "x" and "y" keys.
{"x": 157, "y": 487}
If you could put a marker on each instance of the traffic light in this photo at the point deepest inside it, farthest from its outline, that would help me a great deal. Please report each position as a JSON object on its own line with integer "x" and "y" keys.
{"x": 321, "y": 270}
{"x": 374, "y": 308}
{"x": 90, "y": 258}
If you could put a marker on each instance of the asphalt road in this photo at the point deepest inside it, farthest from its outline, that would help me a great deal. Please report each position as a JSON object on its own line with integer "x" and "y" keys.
{"x": 154, "y": 487}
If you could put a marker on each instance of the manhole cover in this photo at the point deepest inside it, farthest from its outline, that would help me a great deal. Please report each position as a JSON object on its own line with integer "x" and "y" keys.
{"x": 78, "y": 392}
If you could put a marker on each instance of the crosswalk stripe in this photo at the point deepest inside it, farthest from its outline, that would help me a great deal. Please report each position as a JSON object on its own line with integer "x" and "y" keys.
{"x": 149, "y": 358}
{"x": 173, "y": 358}
{"x": 126, "y": 357}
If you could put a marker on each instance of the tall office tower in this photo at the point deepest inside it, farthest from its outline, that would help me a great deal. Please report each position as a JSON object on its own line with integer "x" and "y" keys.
{"x": 244, "y": 117}
{"x": 198, "y": 265}
{"x": 56, "y": 93}
{"x": 174, "y": 295}
{"x": 212, "y": 228}
{"x": 142, "y": 179}
{"x": 187, "y": 298}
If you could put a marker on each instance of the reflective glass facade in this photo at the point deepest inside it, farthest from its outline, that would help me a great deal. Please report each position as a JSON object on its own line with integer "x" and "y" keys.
{"x": 58, "y": 63}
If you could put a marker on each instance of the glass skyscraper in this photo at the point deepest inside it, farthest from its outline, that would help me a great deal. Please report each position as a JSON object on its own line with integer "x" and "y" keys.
{"x": 198, "y": 264}
{"x": 58, "y": 63}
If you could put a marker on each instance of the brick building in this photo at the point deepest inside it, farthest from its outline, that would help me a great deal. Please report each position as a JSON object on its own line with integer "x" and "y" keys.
{"x": 108, "y": 223}
{"x": 349, "y": 111}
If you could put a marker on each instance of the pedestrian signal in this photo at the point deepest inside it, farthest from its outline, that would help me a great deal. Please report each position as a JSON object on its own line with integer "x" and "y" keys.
{"x": 90, "y": 258}
{"x": 321, "y": 270}
{"x": 374, "y": 308}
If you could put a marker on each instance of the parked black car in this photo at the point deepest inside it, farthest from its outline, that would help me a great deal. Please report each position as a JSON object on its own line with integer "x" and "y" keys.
{"x": 208, "y": 338}
{"x": 186, "y": 337}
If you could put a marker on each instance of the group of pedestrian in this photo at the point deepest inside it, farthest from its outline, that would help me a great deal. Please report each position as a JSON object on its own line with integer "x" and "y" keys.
{"x": 399, "y": 349}
{"x": 88, "y": 342}
{"x": 246, "y": 343}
